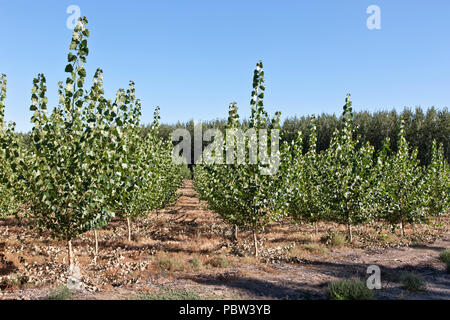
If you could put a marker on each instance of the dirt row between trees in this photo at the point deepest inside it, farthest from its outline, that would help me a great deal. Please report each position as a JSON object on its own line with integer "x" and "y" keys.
{"x": 188, "y": 251}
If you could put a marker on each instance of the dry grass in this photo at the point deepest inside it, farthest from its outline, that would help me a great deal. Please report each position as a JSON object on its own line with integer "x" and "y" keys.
{"x": 180, "y": 240}
{"x": 219, "y": 262}
{"x": 171, "y": 262}
{"x": 315, "y": 248}
{"x": 413, "y": 282}
{"x": 297, "y": 251}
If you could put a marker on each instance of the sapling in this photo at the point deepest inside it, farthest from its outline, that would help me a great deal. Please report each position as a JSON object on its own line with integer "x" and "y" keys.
{"x": 437, "y": 182}
{"x": 8, "y": 198}
{"x": 400, "y": 188}
{"x": 244, "y": 193}
{"x": 346, "y": 176}
{"x": 66, "y": 168}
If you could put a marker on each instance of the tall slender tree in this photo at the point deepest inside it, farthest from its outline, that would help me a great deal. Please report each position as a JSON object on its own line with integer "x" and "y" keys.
{"x": 66, "y": 168}
{"x": 347, "y": 176}
{"x": 303, "y": 186}
{"x": 8, "y": 198}
{"x": 400, "y": 188}
{"x": 437, "y": 182}
{"x": 246, "y": 193}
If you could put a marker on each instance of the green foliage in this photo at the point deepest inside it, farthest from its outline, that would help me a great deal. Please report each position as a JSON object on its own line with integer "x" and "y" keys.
{"x": 401, "y": 188}
{"x": 244, "y": 193}
{"x": 65, "y": 171}
{"x": 421, "y": 127}
{"x": 334, "y": 185}
{"x": 170, "y": 294}
{"x": 172, "y": 264}
{"x": 413, "y": 282}
{"x": 335, "y": 239}
{"x": 8, "y": 199}
{"x": 302, "y": 198}
{"x": 349, "y": 289}
{"x": 86, "y": 159}
{"x": 62, "y": 293}
{"x": 347, "y": 175}
{"x": 444, "y": 256}
{"x": 437, "y": 183}
{"x": 219, "y": 262}
{"x": 346, "y": 183}
{"x": 196, "y": 263}
{"x": 146, "y": 179}
{"x": 185, "y": 172}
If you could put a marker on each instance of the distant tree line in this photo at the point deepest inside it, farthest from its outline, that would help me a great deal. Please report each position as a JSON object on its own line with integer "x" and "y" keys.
{"x": 422, "y": 127}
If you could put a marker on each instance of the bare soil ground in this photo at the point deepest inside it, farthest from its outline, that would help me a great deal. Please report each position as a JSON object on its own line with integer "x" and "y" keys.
{"x": 189, "y": 249}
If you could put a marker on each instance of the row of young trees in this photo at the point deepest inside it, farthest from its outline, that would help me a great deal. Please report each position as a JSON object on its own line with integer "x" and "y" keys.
{"x": 422, "y": 127}
{"x": 7, "y": 203}
{"x": 86, "y": 161}
{"x": 241, "y": 192}
{"x": 347, "y": 183}
{"x": 352, "y": 185}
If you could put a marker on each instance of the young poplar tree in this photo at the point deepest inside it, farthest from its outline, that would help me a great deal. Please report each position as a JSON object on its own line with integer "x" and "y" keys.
{"x": 168, "y": 175}
{"x": 66, "y": 169}
{"x": 303, "y": 196}
{"x": 142, "y": 165}
{"x": 8, "y": 198}
{"x": 128, "y": 159}
{"x": 401, "y": 188}
{"x": 243, "y": 193}
{"x": 147, "y": 179}
{"x": 437, "y": 179}
{"x": 347, "y": 176}
{"x": 215, "y": 183}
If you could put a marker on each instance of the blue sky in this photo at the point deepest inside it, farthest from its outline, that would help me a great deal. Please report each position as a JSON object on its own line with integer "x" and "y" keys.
{"x": 192, "y": 58}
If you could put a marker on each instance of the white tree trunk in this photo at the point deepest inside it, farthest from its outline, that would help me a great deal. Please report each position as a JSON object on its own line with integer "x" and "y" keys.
{"x": 70, "y": 253}
{"x": 129, "y": 228}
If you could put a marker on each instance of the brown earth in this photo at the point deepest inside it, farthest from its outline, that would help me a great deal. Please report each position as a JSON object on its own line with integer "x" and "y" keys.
{"x": 190, "y": 249}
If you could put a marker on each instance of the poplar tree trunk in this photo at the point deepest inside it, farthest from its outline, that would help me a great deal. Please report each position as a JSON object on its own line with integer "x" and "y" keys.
{"x": 236, "y": 233}
{"x": 349, "y": 223}
{"x": 316, "y": 230}
{"x": 70, "y": 252}
{"x": 402, "y": 228}
{"x": 96, "y": 245}
{"x": 255, "y": 240}
{"x": 129, "y": 228}
{"x": 350, "y": 232}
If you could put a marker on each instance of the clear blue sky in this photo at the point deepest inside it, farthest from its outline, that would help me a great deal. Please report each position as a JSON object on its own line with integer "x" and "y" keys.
{"x": 194, "y": 57}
